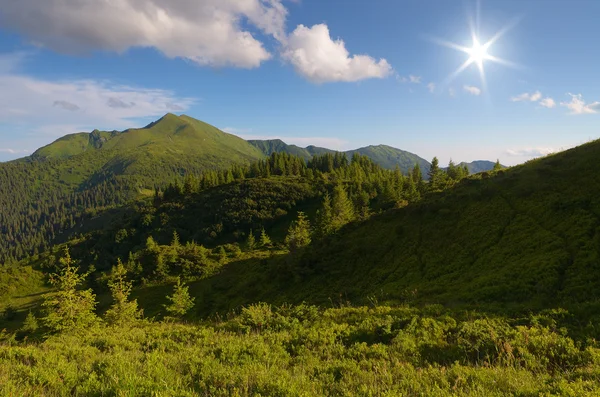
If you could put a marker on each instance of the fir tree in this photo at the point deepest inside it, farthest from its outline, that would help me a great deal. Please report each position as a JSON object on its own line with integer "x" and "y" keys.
{"x": 181, "y": 302}
{"x": 175, "y": 241}
{"x": 342, "y": 210}
{"x": 497, "y": 165}
{"x": 30, "y": 325}
{"x": 251, "y": 241}
{"x": 68, "y": 308}
{"x": 265, "y": 240}
{"x": 298, "y": 233}
{"x": 324, "y": 219}
{"x": 122, "y": 310}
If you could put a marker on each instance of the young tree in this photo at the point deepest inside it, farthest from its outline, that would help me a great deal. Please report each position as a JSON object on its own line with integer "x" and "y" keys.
{"x": 123, "y": 310}
{"x": 324, "y": 218}
{"x": 68, "y": 308}
{"x": 251, "y": 241}
{"x": 434, "y": 174}
{"x": 175, "y": 241}
{"x": 30, "y": 325}
{"x": 181, "y": 302}
{"x": 265, "y": 240}
{"x": 497, "y": 166}
{"x": 299, "y": 233}
{"x": 342, "y": 210}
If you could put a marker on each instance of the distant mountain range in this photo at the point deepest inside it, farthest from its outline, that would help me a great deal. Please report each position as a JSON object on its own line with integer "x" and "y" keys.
{"x": 386, "y": 156}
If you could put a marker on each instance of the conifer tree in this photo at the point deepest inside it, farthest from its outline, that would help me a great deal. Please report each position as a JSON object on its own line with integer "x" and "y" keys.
{"x": 434, "y": 174}
{"x": 298, "y": 233}
{"x": 68, "y": 308}
{"x": 251, "y": 241}
{"x": 175, "y": 241}
{"x": 222, "y": 254}
{"x": 265, "y": 240}
{"x": 181, "y": 302}
{"x": 30, "y": 325}
{"x": 123, "y": 310}
{"x": 324, "y": 218}
{"x": 342, "y": 210}
{"x": 497, "y": 165}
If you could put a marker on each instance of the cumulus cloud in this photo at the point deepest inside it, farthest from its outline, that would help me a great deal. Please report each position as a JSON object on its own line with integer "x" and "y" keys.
{"x": 320, "y": 59}
{"x": 548, "y": 103}
{"x": 208, "y": 32}
{"x": 533, "y": 97}
{"x": 431, "y": 87}
{"x": 578, "y": 106}
{"x": 530, "y": 152}
{"x": 414, "y": 79}
{"x": 472, "y": 90}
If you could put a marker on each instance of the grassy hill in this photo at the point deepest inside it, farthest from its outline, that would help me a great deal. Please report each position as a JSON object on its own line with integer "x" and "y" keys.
{"x": 385, "y": 156}
{"x": 46, "y": 193}
{"x": 525, "y": 238}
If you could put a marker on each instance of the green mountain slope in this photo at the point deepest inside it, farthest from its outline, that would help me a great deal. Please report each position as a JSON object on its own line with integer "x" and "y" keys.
{"x": 529, "y": 237}
{"x": 477, "y": 166}
{"x": 385, "y": 156}
{"x": 46, "y": 193}
{"x": 389, "y": 157}
{"x": 271, "y": 146}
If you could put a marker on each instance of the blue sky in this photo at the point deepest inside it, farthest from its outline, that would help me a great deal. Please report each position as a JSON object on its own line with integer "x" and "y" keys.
{"x": 337, "y": 73}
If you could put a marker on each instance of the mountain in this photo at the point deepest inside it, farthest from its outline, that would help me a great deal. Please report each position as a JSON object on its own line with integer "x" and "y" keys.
{"x": 389, "y": 157}
{"x": 271, "y": 146}
{"x": 386, "y": 156}
{"x": 477, "y": 166}
{"x": 49, "y": 191}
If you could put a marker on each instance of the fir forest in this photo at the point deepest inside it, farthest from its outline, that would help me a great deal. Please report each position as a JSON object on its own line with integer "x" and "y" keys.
{"x": 172, "y": 257}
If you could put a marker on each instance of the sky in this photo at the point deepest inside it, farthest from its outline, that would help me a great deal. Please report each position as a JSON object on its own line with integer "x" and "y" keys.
{"x": 338, "y": 73}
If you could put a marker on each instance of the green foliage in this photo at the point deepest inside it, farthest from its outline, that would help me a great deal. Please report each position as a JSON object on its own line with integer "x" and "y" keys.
{"x": 181, "y": 302}
{"x": 123, "y": 311}
{"x": 251, "y": 242}
{"x": 68, "y": 308}
{"x": 299, "y": 233}
{"x": 265, "y": 240}
{"x": 342, "y": 209}
{"x": 30, "y": 325}
{"x": 305, "y": 351}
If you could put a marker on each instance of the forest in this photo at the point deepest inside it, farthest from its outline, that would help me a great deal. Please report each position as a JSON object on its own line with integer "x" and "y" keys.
{"x": 296, "y": 276}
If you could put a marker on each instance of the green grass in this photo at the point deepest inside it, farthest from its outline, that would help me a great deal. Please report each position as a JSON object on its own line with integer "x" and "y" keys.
{"x": 304, "y": 351}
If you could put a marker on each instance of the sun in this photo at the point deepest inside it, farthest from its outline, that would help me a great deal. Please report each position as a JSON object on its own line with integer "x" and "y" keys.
{"x": 478, "y": 53}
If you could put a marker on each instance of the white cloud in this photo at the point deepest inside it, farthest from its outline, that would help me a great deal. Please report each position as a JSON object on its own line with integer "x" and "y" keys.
{"x": 233, "y": 130}
{"x": 472, "y": 90}
{"x": 533, "y": 97}
{"x": 415, "y": 79}
{"x": 13, "y": 151}
{"x": 320, "y": 59}
{"x": 536, "y": 96}
{"x": 578, "y": 106}
{"x": 548, "y": 103}
{"x": 530, "y": 152}
{"x": 208, "y": 32}
{"x": 431, "y": 87}
{"x": 326, "y": 142}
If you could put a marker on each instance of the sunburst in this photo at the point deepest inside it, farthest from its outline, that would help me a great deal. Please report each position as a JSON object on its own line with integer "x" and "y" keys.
{"x": 478, "y": 53}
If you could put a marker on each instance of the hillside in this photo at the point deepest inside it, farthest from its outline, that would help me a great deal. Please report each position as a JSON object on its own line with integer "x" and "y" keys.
{"x": 271, "y": 146}
{"x": 487, "y": 286}
{"x": 478, "y": 166}
{"x": 386, "y": 156}
{"x": 48, "y": 192}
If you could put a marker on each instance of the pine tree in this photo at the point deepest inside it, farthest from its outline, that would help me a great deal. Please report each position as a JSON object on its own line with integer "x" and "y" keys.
{"x": 298, "y": 233}
{"x": 123, "y": 310}
{"x": 265, "y": 240}
{"x": 497, "y": 165}
{"x": 30, "y": 325}
{"x": 68, "y": 308}
{"x": 324, "y": 218}
{"x": 251, "y": 241}
{"x": 181, "y": 302}
{"x": 175, "y": 241}
{"x": 434, "y": 174}
{"x": 342, "y": 210}
{"x": 222, "y": 254}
